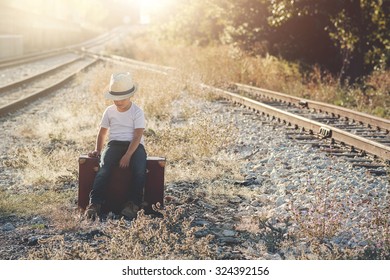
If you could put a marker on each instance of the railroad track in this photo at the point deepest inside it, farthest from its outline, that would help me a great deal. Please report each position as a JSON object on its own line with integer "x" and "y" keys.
{"x": 16, "y": 95}
{"x": 362, "y": 139}
{"x": 37, "y": 56}
{"x": 65, "y": 64}
{"x": 135, "y": 64}
{"x": 15, "y": 61}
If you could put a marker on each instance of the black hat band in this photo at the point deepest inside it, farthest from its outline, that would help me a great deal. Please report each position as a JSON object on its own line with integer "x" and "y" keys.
{"x": 118, "y": 93}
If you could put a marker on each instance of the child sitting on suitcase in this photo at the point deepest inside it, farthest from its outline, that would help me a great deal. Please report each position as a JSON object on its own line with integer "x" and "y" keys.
{"x": 124, "y": 121}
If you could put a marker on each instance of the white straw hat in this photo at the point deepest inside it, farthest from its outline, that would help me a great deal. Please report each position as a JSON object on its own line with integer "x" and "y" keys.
{"x": 121, "y": 86}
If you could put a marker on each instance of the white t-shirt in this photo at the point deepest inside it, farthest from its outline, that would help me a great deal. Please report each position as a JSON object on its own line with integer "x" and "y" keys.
{"x": 122, "y": 124}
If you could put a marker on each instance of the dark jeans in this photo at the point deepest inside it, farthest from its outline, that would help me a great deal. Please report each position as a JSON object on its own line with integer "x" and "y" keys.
{"x": 109, "y": 159}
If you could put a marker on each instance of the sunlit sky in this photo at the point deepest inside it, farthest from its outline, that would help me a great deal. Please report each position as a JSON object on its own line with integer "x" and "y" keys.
{"x": 91, "y": 10}
{"x": 153, "y": 5}
{"x": 147, "y": 7}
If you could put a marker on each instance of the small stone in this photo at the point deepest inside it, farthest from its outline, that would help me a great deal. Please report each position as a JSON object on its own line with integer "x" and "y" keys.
{"x": 280, "y": 201}
{"x": 264, "y": 199}
{"x": 37, "y": 220}
{"x": 201, "y": 233}
{"x": 32, "y": 241}
{"x": 235, "y": 200}
{"x": 269, "y": 256}
{"x": 8, "y": 227}
{"x": 265, "y": 160}
{"x": 255, "y": 203}
{"x": 228, "y": 240}
{"x": 229, "y": 233}
{"x": 201, "y": 223}
{"x": 363, "y": 243}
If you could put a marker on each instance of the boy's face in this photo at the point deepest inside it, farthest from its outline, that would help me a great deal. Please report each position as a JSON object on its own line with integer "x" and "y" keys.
{"x": 123, "y": 104}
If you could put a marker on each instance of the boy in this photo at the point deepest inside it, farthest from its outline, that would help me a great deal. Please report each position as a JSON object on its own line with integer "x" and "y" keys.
{"x": 124, "y": 121}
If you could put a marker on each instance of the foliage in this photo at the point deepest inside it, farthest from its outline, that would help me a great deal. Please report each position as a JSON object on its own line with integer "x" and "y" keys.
{"x": 357, "y": 28}
{"x": 248, "y": 26}
{"x": 347, "y": 37}
{"x": 195, "y": 22}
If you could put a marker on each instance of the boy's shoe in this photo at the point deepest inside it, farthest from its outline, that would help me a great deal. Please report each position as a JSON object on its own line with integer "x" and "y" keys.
{"x": 130, "y": 210}
{"x": 92, "y": 210}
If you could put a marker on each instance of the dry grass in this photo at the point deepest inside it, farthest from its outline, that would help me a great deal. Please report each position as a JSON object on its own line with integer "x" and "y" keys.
{"x": 32, "y": 203}
{"x": 171, "y": 237}
{"x": 231, "y": 65}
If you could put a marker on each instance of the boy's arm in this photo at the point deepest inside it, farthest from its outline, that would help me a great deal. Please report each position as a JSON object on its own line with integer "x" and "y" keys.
{"x": 100, "y": 139}
{"x": 125, "y": 160}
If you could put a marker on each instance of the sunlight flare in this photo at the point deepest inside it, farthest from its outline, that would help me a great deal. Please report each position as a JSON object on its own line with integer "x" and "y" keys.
{"x": 148, "y": 8}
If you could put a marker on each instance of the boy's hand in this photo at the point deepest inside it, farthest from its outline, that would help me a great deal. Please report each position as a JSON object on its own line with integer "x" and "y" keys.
{"x": 94, "y": 154}
{"x": 125, "y": 161}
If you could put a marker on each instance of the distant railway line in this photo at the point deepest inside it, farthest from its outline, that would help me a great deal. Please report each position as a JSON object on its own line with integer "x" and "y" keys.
{"x": 362, "y": 139}
{"x": 21, "y": 93}
{"x": 55, "y": 68}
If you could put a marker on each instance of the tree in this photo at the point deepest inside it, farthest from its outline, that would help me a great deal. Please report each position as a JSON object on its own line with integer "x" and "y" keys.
{"x": 247, "y": 24}
{"x": 193, "y": 22}
{"x": 356, "y": 28}
{"x": 360, "y": 30}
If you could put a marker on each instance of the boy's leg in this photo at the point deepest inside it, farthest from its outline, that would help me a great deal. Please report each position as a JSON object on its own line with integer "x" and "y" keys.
{"x": 138, "y": 172}
{"x": 109, "y": 158}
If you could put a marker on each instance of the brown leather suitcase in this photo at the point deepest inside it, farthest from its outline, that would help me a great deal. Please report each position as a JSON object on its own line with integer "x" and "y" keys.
{"x": 118, "y": 189}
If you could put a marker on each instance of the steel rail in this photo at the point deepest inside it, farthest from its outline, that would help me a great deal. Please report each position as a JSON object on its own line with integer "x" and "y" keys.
{"x": 372, "y": 121}
{"x": 145, "y": 64}
{"x": 40, "y": 93}
{"x": 33, "y": 77}
{"x": 30, "y": 57}
{"x": 23, "y": 59}
{"x": 358, "y": 142}
{"x": 36, "y": 56}
{"x": 134, "y": 63}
